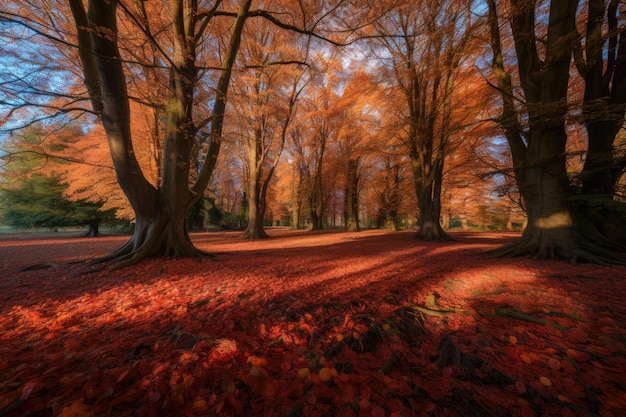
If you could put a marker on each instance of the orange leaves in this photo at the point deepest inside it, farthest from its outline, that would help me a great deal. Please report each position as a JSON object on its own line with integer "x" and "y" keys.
{"x": 526, "y": 358}
{"x": 256, "y": 361}
{"x": 225, "y": 347}
{"x": 85, "y": 357}
{"x": 76, "y": 409}
{"x": 577, "y": 355}
{"x": 545, "y": 381}
{"x": 326, "y": 374}
{"x": 554, "y": 364}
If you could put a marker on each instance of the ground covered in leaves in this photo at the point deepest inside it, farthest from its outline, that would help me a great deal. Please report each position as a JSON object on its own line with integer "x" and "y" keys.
{"x": 332, "y": 324}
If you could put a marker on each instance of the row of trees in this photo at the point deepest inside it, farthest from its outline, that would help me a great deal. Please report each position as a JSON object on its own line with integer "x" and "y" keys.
{"x": 391, "y": 107}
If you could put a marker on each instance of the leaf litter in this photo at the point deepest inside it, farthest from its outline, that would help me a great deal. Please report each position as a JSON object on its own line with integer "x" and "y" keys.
{"x": 329, "y": 324}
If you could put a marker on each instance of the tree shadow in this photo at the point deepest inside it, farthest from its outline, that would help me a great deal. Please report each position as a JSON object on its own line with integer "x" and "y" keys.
{"x": 173, "y": 336}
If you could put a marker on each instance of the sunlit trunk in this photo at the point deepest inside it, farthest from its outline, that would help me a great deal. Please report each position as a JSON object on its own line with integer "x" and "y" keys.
{"x": 256, "y": 214}
{"x": 546, "y": 191}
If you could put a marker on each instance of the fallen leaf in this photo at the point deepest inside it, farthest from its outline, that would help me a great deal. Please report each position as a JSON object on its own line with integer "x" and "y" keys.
{"x": 545, "y": 381}
{"x": 325, "y": 374}
{"x": 577, "y": 355}
{"x": 554, "y": 364}
{"x": 256, "y": 361}
{"x": 76, "y": 409}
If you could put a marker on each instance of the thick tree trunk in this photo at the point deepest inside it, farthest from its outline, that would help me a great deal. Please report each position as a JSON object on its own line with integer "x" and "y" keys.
{"x": 316, "y": 219}
{"x": 604, "y": 104}
{"x": 556, "y": 229}
{"x": 163, "y": 234}
{"x": 159, "y": 211}
{"x": 316, "y": 204}
{"x": 94, "y": 229}
{"x": 429, "y": 201}
{"x": 256, "y": 214}
{"x": 429, "y": 213}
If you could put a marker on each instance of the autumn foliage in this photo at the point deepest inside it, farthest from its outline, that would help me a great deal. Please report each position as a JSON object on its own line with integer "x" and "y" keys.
{"x": 343, "y": 324}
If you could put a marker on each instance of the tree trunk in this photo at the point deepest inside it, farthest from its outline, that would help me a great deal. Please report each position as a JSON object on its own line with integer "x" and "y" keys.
{"x": 351, "y": 197}
{"x": 316, "y": 219}
{"x": 256, "y": 214}
{"x": 555, "y": 228}
{"x": 429, "y": 226}
{"x": 604, "y": 72}
{"x": 316, "y": 203}
{"x": 390, "y": 198}
{"x": 428, "y": 200}
{"x": 391, "y": 221}
{"x": 94, "y": 229}
{"x": 160, "y": 212}
{"x": 296, "y": 207}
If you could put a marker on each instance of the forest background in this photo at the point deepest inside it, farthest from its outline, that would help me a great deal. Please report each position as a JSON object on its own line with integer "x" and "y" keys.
{"x": 181, "y": 115}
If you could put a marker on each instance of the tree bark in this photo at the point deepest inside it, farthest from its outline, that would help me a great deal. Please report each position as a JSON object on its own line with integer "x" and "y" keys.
{"x": 160, "y": 212}
{"x": 351, "y": 197}
{"x": 603, "y": 110}
{"x": 316, "y": 193}
{"x": 555, "y": 228}
{"x": 256, "y": 215}
{"x": 429, "y": 214}
{"x": 94, "y": 229}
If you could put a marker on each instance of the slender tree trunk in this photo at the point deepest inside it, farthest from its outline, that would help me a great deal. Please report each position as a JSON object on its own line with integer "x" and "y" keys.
{"x": 351, "y": 197}
{"x": 296, "y": 202}
{"x": 316, "y": 198}
{"x": 391, "y": 196}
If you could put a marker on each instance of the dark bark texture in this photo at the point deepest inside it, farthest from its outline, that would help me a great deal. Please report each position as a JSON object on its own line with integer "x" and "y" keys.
{"x": 556, "y": 228}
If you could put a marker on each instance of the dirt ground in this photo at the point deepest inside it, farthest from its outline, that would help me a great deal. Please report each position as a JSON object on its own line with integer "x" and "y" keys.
{"x": 330, "y": 324}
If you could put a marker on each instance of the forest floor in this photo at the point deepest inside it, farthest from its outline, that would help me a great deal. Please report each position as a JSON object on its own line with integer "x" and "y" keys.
{"x": 330, "y": 324}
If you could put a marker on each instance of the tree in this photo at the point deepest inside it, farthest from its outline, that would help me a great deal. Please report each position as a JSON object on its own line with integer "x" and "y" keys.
{"x": 34, "y": 192}
{"x": 310, "y": 136}
{"x": 601, "y": 62}
{"x": 537, "y": 136}
{"x": 425, "y": 58}
{"x": 356, "y": 139}
{"x": 197, "y": 49}
{"x": 266, "y": 101}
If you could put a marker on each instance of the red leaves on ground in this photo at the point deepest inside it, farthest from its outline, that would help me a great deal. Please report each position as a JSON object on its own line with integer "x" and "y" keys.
{"x": 346, "y": 324}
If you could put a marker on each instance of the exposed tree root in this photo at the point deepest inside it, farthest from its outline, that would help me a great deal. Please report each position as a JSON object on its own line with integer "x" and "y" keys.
{"x": 433, "y": 233}
{"x": 566, "y": 244}
{"x": 39, "y": 266}
{"x": 435, "y": 313}
{"x": 154, "y": 240}
{"x": 505, "y": 312}
{"x": 254, "y": 234}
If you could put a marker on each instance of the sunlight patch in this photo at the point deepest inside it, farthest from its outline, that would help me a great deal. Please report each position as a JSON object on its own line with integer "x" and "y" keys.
{"x": 555, "y": 221}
